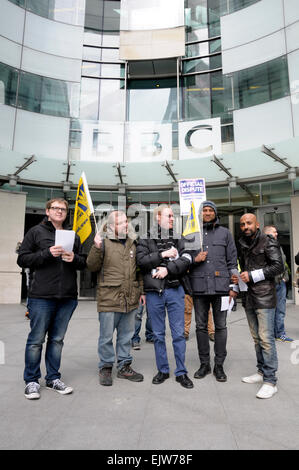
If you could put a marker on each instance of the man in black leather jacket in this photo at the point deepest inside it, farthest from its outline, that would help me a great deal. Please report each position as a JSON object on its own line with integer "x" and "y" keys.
{"x": 260, "y": 261}
{"x": 162, "y": 261}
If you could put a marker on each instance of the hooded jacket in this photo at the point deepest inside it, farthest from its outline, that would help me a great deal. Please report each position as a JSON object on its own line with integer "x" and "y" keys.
{"x": 149, "y": 257}
{"x": 119, "y": 284}
{"x": 261, "y": 253}
{"x": 212, "y": 276}
{"x": 51, "y": 278}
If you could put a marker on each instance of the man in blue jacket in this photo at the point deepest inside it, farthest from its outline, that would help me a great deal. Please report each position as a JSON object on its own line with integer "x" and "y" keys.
{"x": 210, "y": 279}
{"x": 52, "y": 296}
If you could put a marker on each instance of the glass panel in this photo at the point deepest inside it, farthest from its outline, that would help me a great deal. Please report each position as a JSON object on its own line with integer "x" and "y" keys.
{"x": 48, "y": 96}
{"x": 112, "y": 100}
{"x": 152, "y": 100}
{"x": 196, "y": 65}
{"x": 279, "y": 78}
{"x": 110, "y": 54}
{"x": 92, "y": 53}
{"x": 66, "y": 11}
{"x": 59, "y": 98}
{"x": 214, "y": 18}
{"x": 251, "y": 86}
{"x": 20, "y": 3}
{"x": 89, "y": 104}
{"x": 91, "y": 69}
{"x": 276, "y": 192}
{"x": 30, "y": 88}
{"x": 197, "y": 97}
{"x": 8, "y": 84}
{"x": 113, "y": 70}
{"x": 221, "y": 96}
{"x": 198, "y": 49}
{"x": 94, "y": 13}
{"x": 229, "y": 6}
{"x": 262, "y": 83}
{"x": 111, "y": 16}
{"x": 196, "y": 20}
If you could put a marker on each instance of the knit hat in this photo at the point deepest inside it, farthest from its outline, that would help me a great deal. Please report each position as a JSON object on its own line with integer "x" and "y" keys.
{"x": 209, "y": 204}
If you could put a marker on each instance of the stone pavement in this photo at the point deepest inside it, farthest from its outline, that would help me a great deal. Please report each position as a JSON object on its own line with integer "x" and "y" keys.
{"x": 136, "y": 416}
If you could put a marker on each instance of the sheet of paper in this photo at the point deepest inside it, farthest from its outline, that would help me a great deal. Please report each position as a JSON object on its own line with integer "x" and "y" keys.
{"x": 65, "y": 238}
{"x": 226, "y": 304}
{"x": 242, "y": 285}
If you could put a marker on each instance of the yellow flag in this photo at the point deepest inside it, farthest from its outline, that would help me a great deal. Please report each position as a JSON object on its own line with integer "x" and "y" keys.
{"x": 192, "y": 225}
{"x": 83, "y": 210}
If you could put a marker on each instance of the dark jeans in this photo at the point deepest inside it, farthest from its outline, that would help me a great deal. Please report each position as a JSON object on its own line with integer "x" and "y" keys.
{"x": 52, "y": 317}
{"x": 280, "y": 311}
{"x": 202, "y": 306}
{"x": 149, "y": 335}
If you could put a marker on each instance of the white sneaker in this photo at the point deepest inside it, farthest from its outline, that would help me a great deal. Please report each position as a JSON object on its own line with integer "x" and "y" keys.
{"x": 266, "y": 391}
{"x": 253, "y": 379}
{"x": 59, "y": 387}
{"x": 32, "y": 391}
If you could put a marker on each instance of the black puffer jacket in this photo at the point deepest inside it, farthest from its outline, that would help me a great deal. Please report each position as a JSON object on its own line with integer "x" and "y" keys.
{"x": 212, "y": 276}
{"x": 149, "y": 257}
{"x": 261, "y": 252}
{"x": 50, "y": 277}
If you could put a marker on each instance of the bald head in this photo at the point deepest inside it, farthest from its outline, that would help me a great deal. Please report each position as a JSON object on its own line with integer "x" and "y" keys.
{"x": 249, "y": 225}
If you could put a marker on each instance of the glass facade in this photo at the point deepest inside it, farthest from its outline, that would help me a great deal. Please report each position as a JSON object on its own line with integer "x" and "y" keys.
{"x": 38, "y": 94}
{"x": 65, "y": 11}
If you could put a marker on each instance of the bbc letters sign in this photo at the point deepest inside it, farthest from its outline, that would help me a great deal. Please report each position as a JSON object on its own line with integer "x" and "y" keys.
{"x": 149, "y": 141}
{"x": 200, "y": 138}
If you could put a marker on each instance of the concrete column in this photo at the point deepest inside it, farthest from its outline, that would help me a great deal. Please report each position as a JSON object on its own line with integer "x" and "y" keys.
{"x": 295, "y": 233}
{"x": 12, "y": 219}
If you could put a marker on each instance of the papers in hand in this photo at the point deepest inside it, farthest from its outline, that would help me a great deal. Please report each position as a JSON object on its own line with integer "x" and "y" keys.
{"x": 242, "y": 285}
{"x": 65, "y": 238}
{"x": 227, "y": 303}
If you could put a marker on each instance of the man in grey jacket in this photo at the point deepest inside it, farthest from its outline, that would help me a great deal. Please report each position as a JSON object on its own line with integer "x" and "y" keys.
{"x": 210, "y": 278}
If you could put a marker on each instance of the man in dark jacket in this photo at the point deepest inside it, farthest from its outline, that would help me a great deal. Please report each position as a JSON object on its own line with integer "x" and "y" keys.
{"x": 162, "y": 261}
{"x": 52, "y": 296}
{"x": 260, "y": 261}
{"x": 210, "y": 278}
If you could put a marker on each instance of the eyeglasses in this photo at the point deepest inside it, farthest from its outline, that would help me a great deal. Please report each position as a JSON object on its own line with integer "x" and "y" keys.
{"x": 56, "y": 209}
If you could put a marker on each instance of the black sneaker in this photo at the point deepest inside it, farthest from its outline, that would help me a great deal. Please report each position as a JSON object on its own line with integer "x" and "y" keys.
{"x": 126, "y": 372}
{"x": 105, "y": 375}
{"x": 32, "y": 391}
{"x": 59, "y": 387}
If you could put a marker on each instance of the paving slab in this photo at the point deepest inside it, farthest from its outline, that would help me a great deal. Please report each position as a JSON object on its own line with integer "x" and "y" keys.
{"x": 142, "y": 416}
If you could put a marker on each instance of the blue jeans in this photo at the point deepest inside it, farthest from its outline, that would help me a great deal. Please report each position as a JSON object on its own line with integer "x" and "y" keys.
{"x": 174, "y": 301}
{"x": 124, "y": 324}
{"x": 46, "y": 317}
{"x": 138, "y": 322}
{"x": 261, "y": 324}
{"x": 280, "y": 311}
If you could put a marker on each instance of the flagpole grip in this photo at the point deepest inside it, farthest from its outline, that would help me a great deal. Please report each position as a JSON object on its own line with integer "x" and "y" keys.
{"x": 95, "y": 223}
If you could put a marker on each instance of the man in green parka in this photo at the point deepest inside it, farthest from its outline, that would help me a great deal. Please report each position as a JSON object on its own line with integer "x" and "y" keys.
{"x": 119, "y": 290}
